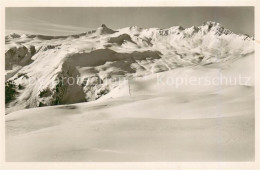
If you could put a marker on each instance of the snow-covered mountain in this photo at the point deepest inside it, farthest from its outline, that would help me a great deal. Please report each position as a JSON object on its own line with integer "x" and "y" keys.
{"x": 103, "y": 56}
{"x": 135, "y": 111}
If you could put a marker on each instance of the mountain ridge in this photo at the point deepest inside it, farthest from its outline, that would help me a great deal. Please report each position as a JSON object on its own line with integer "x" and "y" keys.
{"x": 103, "y": 26}
{"x": 107, "y": 54}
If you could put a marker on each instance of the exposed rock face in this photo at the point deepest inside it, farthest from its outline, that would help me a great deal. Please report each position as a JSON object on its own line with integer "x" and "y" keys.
{"x": 119, "y": 40}
{"x": 20, "y": 55}
{"x": 67, "y": 91}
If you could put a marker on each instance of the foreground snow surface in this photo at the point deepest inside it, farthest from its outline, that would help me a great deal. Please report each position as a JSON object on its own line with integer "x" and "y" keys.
{"x": 209, "y": 123}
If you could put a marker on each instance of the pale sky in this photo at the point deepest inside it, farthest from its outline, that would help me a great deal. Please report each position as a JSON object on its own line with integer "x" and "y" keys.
{"x": 73, "y": 20}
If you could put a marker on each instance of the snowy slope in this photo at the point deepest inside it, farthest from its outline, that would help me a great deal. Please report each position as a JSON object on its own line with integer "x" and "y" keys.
{"x": 156, "y": 123}
{"x": 101, "y": 57}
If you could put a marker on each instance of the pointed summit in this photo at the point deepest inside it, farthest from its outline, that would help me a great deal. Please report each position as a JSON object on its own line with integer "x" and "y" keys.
{"x": 211, "y": 23}
{"x": 13, "y": 35}
{"x": 216, "y": 28}
{"x": 103, "y": 25}
{"x": 104, "y": 30}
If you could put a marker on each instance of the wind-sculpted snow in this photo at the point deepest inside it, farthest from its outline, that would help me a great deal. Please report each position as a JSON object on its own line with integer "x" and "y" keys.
{"x": 101, "y": 57}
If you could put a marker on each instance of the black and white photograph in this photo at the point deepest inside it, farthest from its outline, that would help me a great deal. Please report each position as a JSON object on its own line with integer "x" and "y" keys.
{"x": 129, "y": 84}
